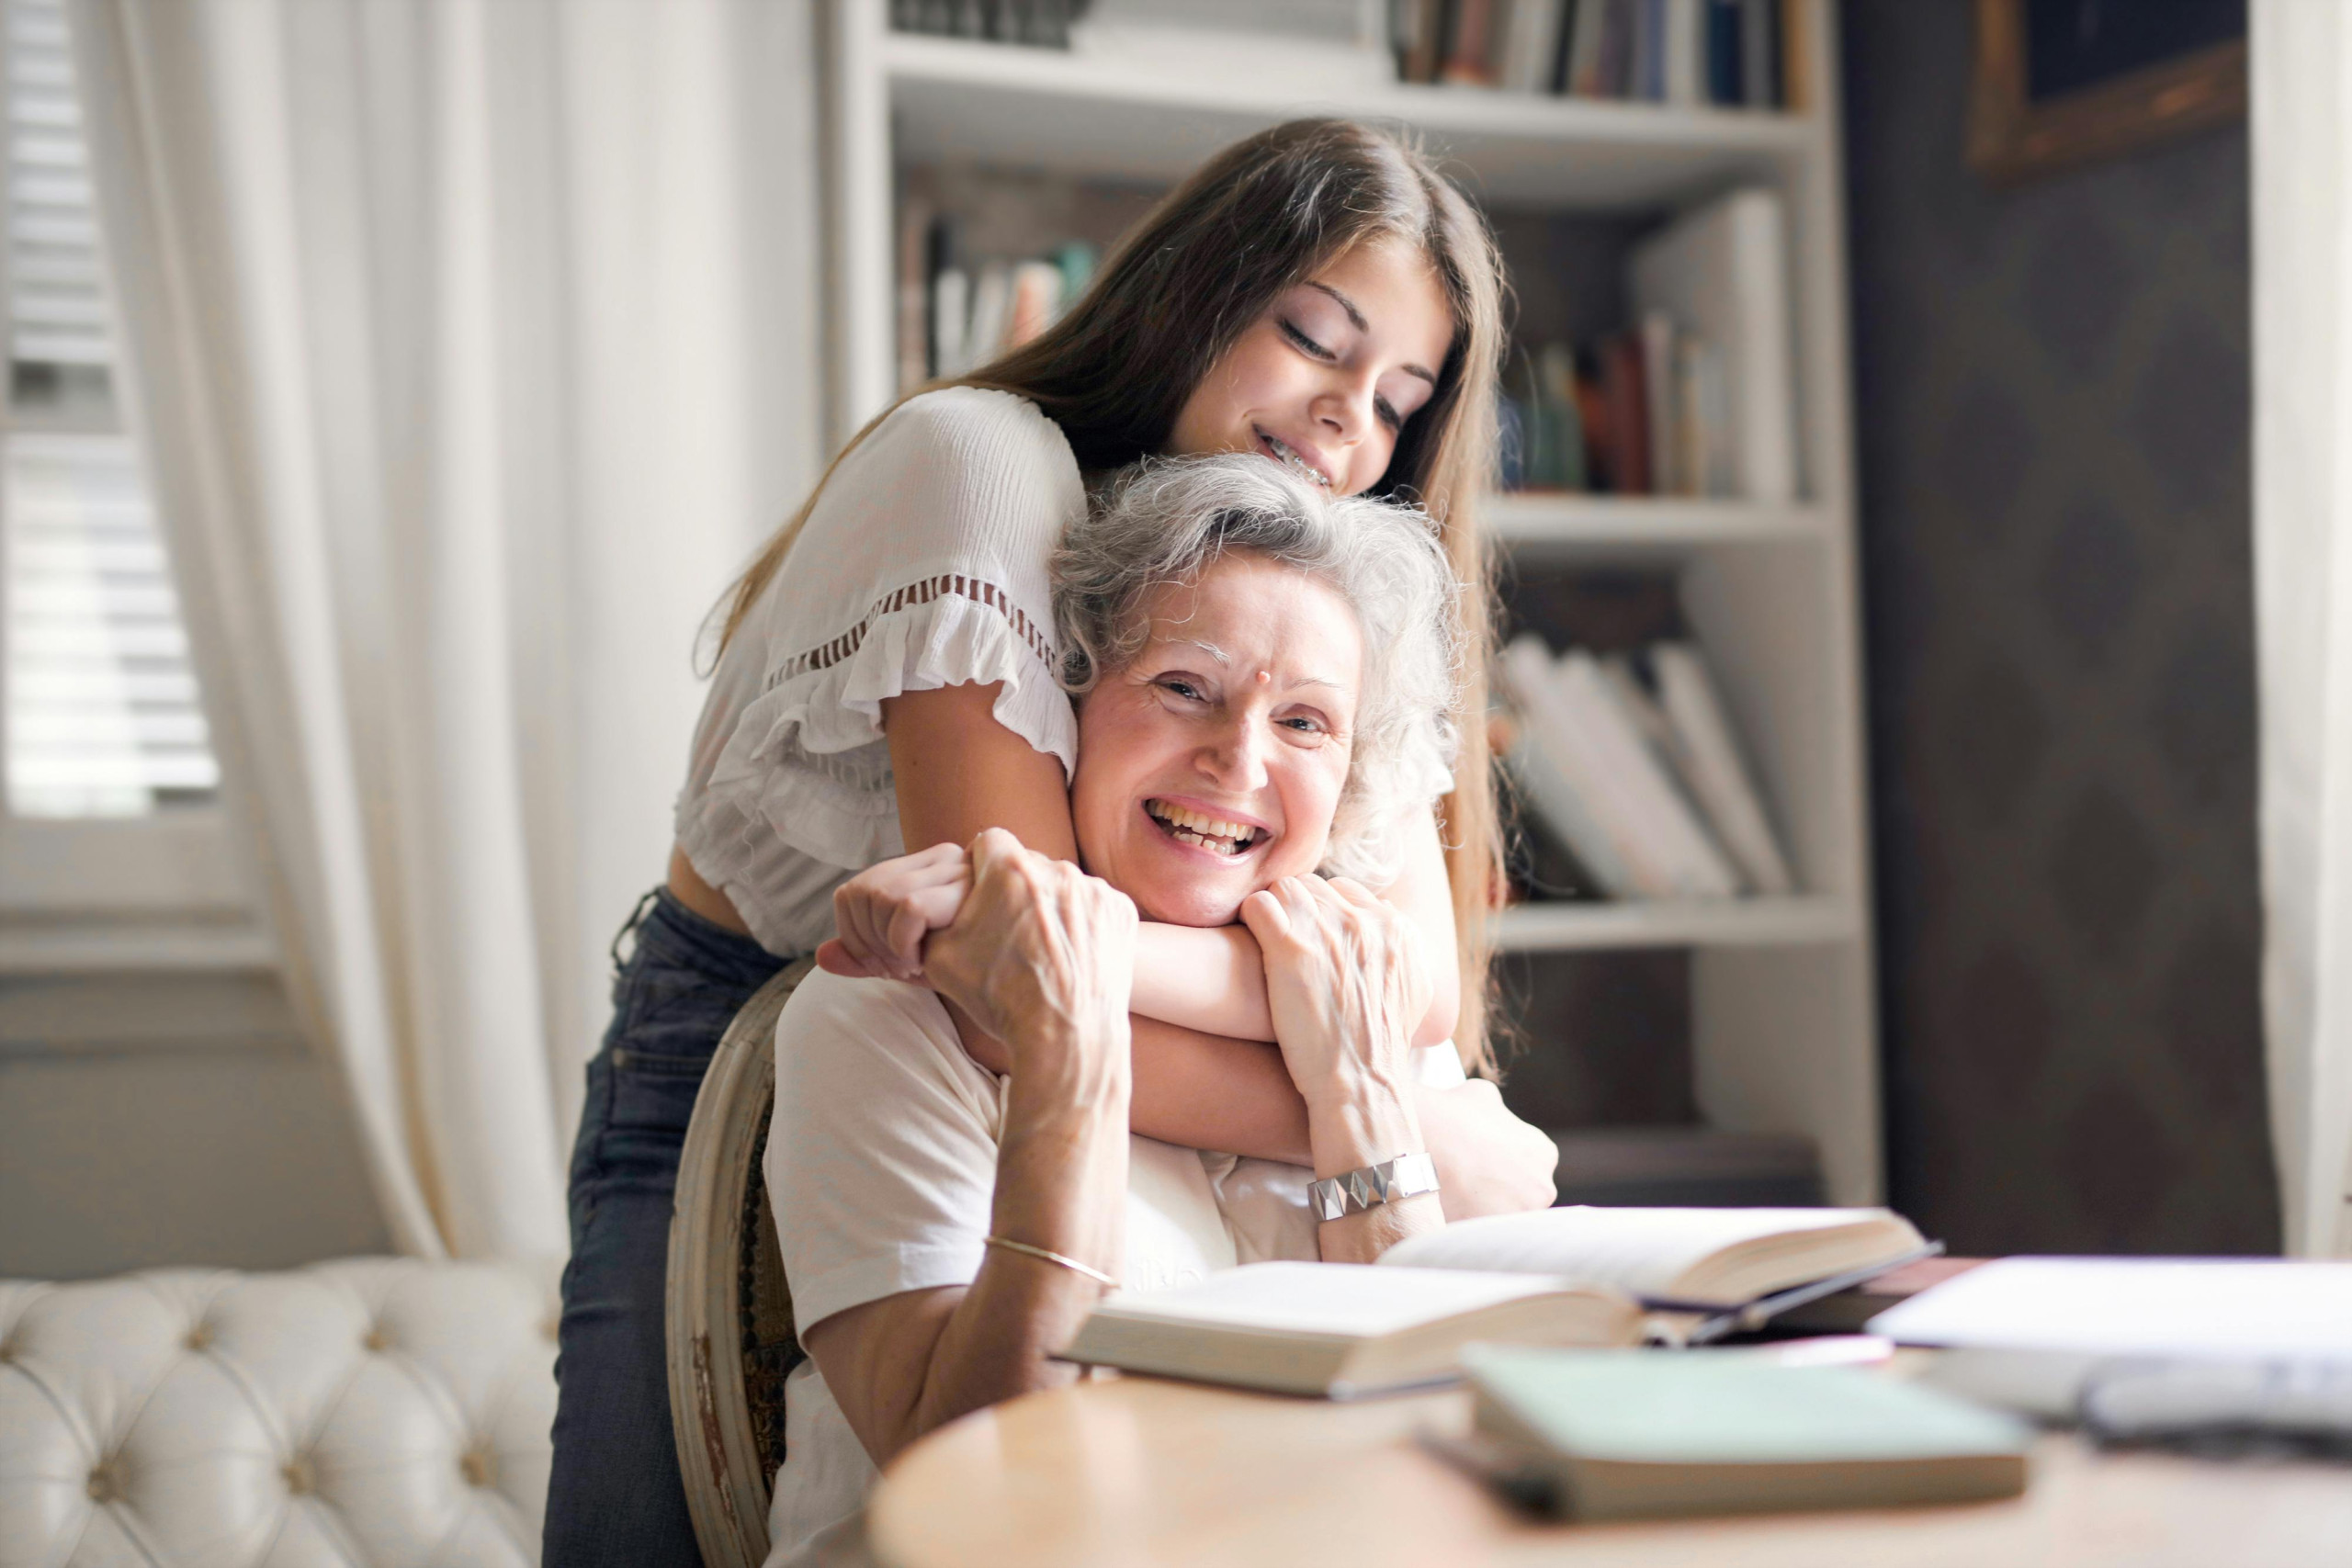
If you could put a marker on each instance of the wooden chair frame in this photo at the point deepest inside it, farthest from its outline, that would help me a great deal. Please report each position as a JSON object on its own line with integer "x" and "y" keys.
{"x": 728, "y": 1315}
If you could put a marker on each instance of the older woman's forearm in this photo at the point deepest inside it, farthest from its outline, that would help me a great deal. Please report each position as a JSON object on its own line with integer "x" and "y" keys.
{"x": 1061, "y": 1187}
{"x": 1362, "y": 1125}
{"x": 1038, "y": 956}
{"x": 903, "y": 1365}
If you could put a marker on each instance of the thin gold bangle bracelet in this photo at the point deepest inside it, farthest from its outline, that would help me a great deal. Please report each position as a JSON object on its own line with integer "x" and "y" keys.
{"x": 1026, "y": 1250}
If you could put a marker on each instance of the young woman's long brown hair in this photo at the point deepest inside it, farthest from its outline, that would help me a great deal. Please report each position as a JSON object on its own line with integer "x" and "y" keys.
{"x": 1261, "y": 216}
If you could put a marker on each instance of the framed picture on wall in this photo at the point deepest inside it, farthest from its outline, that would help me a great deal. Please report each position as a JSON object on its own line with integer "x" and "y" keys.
{"x": 2064, "y": 82}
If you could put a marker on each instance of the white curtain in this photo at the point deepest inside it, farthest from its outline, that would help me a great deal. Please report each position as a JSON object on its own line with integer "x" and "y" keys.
{"x": 475, "y": 346}
{"x": 2302, "y": 99}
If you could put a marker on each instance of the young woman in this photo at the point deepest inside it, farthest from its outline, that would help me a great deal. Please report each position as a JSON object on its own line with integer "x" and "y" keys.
{"x": 1316, "y": 294}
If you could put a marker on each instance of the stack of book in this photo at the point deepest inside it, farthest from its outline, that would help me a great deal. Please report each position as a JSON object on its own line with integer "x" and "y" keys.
{"x": 956, "y": 315}
{"x": 1728, "y": 53}
{"x": 1631, "y": 763}
{"x": 1696, "y": 398}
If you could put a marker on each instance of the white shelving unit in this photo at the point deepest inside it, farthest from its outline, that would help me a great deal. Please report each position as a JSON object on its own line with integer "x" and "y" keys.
{"x": 1783, "y": 1005}
{"x": 1802, "y": 921}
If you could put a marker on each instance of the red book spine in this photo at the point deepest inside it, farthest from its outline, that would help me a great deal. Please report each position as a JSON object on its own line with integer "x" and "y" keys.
{"x": 1624, "y": 389}
{"x": 1470, "y": 52}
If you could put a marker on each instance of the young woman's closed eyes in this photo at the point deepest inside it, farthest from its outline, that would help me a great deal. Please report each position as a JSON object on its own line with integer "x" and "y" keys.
{"x": 1307, "y": 346}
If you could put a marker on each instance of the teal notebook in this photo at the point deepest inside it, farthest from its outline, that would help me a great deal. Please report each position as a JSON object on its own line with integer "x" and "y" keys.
{"x": 1650, "y": 1434}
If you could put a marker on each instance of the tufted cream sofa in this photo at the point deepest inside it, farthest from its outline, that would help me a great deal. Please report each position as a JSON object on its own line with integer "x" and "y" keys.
{"x": 374, "y": 1411}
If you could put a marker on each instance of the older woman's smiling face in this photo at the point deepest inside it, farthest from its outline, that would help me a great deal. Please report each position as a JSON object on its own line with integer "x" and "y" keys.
{"x": 1211, "y": 765}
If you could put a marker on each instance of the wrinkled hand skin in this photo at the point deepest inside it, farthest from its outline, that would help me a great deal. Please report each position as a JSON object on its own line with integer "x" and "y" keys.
{"x": 1344, "y": 981}
{"x": 1041, "y": 955}
{"x": 1488, "y": 1161}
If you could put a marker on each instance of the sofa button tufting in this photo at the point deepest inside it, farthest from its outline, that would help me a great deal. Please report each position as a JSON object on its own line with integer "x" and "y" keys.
{"x": 479, "y": 1465}
{"x": 378, "y": 1339}
{"x": 199, "y": 1338}
{"x": 105, "y": 1484}
{"x": 300, "y": 1479}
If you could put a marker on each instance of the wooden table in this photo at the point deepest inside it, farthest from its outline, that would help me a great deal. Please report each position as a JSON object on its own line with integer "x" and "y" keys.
{"x": 1141, "y": 1471}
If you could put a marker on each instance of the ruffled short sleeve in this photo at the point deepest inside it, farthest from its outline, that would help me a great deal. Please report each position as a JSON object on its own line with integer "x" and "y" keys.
{"x": 922, "y": 564}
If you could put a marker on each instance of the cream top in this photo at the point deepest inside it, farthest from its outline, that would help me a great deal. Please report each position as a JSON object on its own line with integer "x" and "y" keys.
{"x": 922, "y": 565}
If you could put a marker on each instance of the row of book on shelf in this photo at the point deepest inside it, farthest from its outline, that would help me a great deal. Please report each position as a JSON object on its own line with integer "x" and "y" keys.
{"x": 956, "y": 315}
{"x": 1728, "y": 53}
{"x": 1724, "y": 53}
{"x": 1043, "y": 24}
{"x": 1630, "y": 763}
{"x": 1694, "y": 398}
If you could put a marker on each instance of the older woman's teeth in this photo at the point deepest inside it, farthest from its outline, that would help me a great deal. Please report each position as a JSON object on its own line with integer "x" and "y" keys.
{"x": 1299, "y": 465}
{"x": 1193, "y": 827}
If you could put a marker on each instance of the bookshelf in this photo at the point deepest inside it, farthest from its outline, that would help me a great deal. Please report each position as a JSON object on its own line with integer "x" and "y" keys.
{"x": 1729, "y": 923}
{"x": 1783, "y": 1005}
{"x": 1540, "y": 529}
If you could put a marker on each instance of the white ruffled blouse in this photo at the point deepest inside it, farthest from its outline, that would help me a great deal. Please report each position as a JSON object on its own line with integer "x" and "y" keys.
{"x": 922, "y": 564}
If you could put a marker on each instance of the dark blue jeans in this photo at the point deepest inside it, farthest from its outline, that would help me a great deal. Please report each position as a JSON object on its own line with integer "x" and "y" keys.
{"x": 615, "y": 1495}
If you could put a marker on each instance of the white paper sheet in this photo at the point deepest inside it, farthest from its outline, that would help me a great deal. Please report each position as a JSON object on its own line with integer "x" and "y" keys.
{"x": 2109, "y": 1306}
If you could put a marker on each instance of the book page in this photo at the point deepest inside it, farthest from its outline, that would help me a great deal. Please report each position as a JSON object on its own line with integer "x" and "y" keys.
{"x": 2136, "y": 1306}
{"x": 1349, "y": 1300}
{"x": 1640, "y": 1251}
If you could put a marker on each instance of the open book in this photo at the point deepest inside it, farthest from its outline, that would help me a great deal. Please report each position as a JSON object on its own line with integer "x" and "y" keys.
{"x": 1557, "y": 1277}
{"x": 1737, "y": 1266}
{"x": 1341, "y": 1329}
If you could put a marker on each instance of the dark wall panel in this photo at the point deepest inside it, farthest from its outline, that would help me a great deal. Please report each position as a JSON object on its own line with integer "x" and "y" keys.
{"x": 2051, "y": 384}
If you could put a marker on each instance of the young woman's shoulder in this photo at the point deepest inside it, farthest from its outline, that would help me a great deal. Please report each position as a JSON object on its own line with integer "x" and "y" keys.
{"x": 958, "y": 476}
{"x": 976, "y": 428}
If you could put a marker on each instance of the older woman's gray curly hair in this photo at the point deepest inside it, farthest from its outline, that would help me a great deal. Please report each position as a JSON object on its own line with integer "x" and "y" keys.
{"x": 1166, "y": 519}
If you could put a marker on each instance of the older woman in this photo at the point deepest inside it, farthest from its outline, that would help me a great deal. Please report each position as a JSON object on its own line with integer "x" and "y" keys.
{"x": 1262, "y": 674}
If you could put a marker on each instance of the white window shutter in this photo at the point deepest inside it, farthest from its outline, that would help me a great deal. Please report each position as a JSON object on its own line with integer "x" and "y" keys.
{"x": 101, "y": 707}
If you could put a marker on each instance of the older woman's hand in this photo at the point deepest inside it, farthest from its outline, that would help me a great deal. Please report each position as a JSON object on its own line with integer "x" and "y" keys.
{"x": 1345, "y": 984}
{"x": 1039, "y": 954}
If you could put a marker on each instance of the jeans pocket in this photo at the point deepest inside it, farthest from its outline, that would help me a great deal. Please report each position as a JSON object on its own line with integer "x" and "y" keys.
{"x": 655, "y": 1091}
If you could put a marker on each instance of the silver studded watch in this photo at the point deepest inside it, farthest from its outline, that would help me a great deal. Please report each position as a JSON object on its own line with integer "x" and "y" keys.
{"x": 1407, "y": 1176}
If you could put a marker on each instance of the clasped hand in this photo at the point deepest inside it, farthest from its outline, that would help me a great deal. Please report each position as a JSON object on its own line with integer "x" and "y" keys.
{"x": 1344, "y": 977}
{"x": 1032, "y": 949}
{"x": 892, "y": 916}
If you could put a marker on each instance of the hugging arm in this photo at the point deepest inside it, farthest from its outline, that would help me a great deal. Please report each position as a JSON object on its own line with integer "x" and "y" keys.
{"x": 958, "y": 770}
{"x": 1214, "y": 979}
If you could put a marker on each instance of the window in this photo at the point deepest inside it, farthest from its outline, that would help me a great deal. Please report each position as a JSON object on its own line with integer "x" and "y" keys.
{"x": 113, "y": 850}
